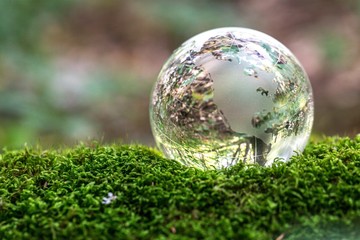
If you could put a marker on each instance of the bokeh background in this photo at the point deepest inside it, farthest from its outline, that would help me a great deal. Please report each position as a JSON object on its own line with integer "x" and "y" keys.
{"x": 76, "y": 70}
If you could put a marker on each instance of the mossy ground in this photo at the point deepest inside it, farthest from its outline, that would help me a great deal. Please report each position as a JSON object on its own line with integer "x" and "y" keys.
{"x": 59, "y": 194}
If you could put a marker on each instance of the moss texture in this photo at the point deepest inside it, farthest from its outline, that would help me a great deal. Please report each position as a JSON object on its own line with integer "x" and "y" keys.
{"x": 59, "y": 195}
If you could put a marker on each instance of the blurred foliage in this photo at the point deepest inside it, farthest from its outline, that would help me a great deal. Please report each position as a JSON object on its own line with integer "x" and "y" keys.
{"x": 334, "y": 48}
{"x": 22, "y": 22}
{"x": 186, "y": 20}
{"x": 76, "y": 70}
{"x": 25, "y": 108}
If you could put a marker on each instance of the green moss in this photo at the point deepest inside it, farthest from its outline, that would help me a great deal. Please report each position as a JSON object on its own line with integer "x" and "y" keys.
{"x": 58, "y": 195}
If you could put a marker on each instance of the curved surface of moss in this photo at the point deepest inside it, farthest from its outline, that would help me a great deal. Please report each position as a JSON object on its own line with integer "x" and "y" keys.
{"x": 61, "y": 195}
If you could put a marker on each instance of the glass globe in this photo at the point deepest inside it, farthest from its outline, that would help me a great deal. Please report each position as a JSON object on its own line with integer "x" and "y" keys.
{"x": 231, "y": 95}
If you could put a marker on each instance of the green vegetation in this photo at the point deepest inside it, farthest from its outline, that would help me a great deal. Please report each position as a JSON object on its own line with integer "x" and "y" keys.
{"x": 59, "y": 194}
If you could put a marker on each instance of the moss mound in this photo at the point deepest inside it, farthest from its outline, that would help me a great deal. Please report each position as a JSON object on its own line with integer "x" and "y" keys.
{"x": 60, "y": 195}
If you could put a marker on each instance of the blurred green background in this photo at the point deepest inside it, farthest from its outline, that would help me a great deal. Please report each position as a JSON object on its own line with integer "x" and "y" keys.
{"x": 80, "y": 70}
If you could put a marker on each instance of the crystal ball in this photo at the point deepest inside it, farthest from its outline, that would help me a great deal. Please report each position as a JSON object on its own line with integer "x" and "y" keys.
{"x": 231, "y": 95}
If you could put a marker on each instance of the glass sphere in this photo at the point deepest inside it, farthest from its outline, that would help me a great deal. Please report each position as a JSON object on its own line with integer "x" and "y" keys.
{"x": 231, "y": 95}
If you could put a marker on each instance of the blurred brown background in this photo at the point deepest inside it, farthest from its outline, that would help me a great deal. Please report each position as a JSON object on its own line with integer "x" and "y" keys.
{"x": 79, "y": 70}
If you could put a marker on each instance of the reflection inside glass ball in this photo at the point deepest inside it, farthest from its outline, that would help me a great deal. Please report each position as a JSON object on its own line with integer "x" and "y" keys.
{"x": 231, "y": 95}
